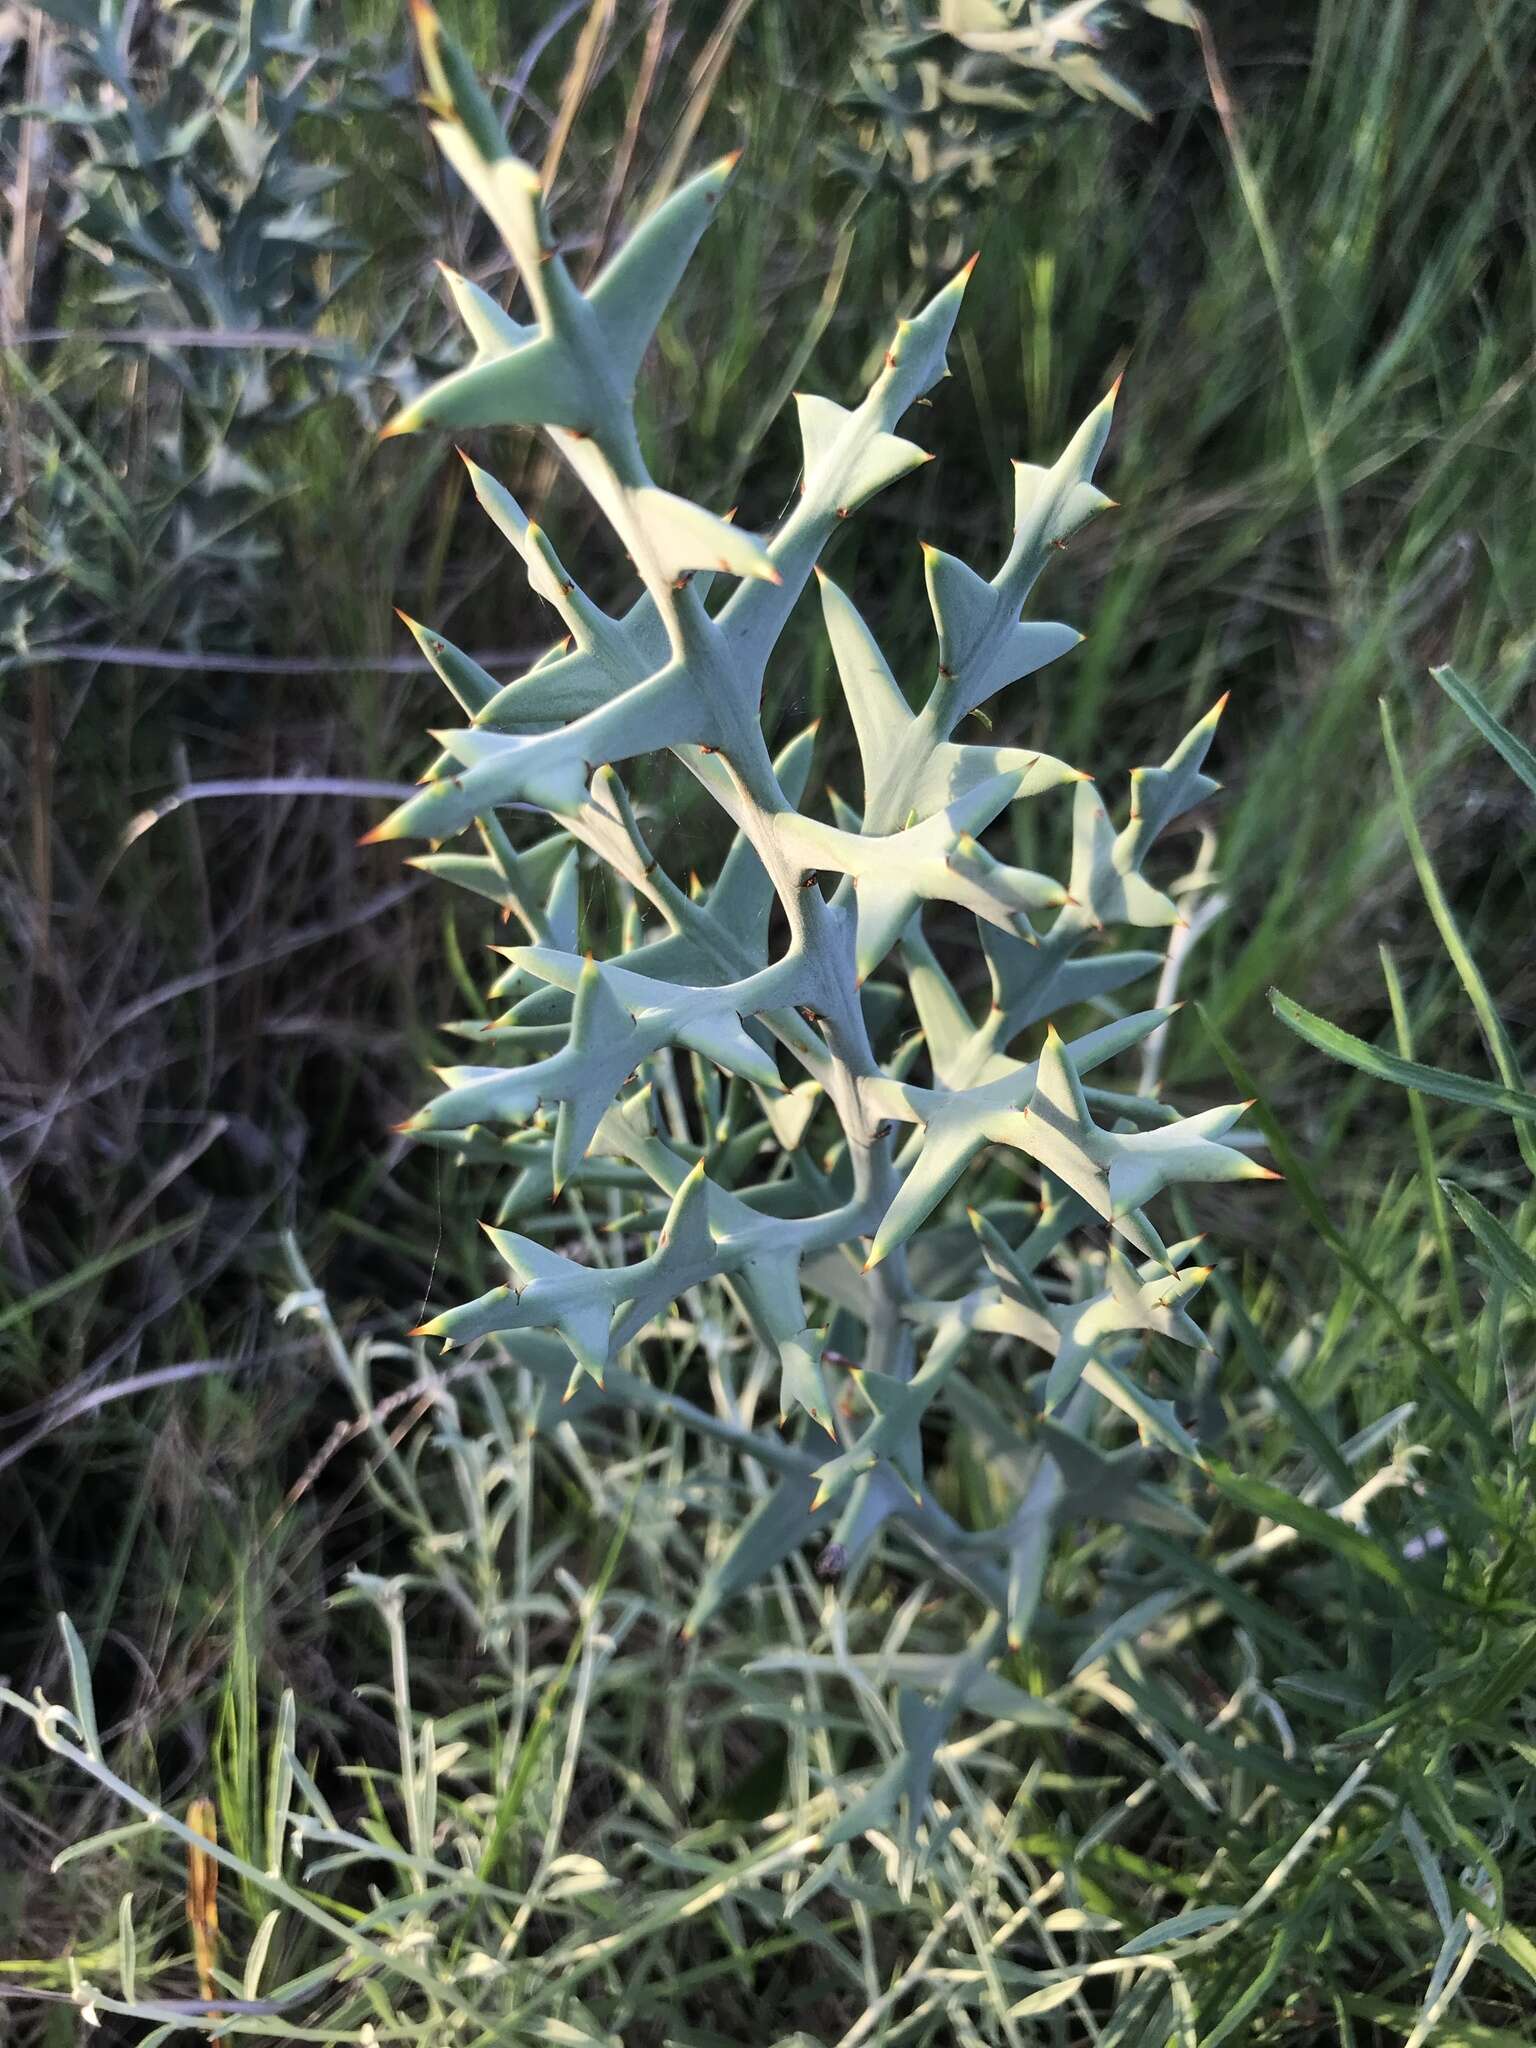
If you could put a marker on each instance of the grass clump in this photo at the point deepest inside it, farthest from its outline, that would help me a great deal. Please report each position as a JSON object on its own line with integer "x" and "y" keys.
{"x": 1306, "y": 1720}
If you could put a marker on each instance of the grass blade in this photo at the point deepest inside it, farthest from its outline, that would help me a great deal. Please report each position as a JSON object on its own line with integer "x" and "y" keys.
{"x": 1499, "y": 1046}
{"x": 1340, "y": 1044}
{"x": 1466, "y": 699}
{"x": 1508, "y": 1259}
{"x": 1347, "y": 1542}
{"x": 1424, "y": 1145}
{"x": 93, "y": 1269}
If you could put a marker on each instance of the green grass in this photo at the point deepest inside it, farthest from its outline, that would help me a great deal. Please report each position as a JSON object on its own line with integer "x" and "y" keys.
{"x": 1321, "y": 1730}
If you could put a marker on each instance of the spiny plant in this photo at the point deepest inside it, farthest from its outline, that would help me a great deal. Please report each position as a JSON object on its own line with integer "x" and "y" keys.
{"x": 194, "y": 215}
{"x": 810, "y": 946}
{"x": 946, "y": 96}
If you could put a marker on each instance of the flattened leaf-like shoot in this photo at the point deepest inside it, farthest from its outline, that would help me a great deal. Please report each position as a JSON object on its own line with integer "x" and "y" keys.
{"x": 755, "y": 616}
{"x": 1109, "y": 893}
{"x": 454, "y": 92}
{"x": 1118, "y": 1173}
{"x": 705, "y": 1020}
{"x": 546, "y": 1292}
{"x": 935, "y": 861}
{"x": 955, "y": 1130}
{"x": 882, "y": 719}
{"x": 576, "y": 682}
{"x": 618, "y": 1020}
{"x": 893, "y": 1439}
{"x": 1143, "y": 1163}
{"x": 548, "y": 771}
{"x": 845, "y": 462}
{"x": 1031, "y": 983}
{"x": 1036, "y": 1108}
{"x": 471, "y": 686}
{"x": 946, "y": 1024}
{"x": 1160, "y": 795}
{"x": 592, "y": 631}
{"x": 1012, "y": 1272}
{"x": 918, "y": 353}
{"x": 726, "y": 935}
{"x": 1106, "y": 865}
{"x": 1051, "y": 505}
{"x": 909, "y": 772}
{"x": 801, "y": 1382}
{"x": 637, "y": 283}
{"x": 900, "y": 1793}
{"x": 1129, "y": 1303}
{"x": 983, "y": 645}
{"x": 682, "y": 536}
{"x": 533, "y": 385}
{"x": 780, "y": 1524}
{"x": 1063, "y": 1137}
{"x": 488, "y": 324}
{"x": 537, "y": 887}
{"x": 574, "y": 371}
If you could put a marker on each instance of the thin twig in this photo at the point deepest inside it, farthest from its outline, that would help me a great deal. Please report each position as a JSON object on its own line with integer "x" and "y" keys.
{"x": 181, "y": 337}
{"x": 121, "y": 655}
{"x": 74, "y": 1407}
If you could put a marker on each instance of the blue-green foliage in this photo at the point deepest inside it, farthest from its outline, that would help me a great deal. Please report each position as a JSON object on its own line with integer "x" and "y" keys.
{"x": 839, "y": 1087}
{"x": 200, "y": 235}
{"x": 945, "y": 96}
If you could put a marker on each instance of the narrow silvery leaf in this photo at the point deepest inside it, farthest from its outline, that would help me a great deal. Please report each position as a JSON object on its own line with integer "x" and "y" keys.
{"x": 127, "y": 1949}
{"x": 279, "y": 1806}
{"x": 81, "y": 1693}
{"x": 256, "y": 1955}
